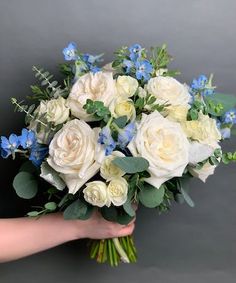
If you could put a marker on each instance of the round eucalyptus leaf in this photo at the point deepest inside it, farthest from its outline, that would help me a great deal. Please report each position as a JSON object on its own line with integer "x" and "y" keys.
{"x": 25, "y": 185}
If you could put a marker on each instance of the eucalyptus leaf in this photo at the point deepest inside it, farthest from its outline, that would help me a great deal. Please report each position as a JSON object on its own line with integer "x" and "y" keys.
{"x": 25, "y": 185}
{"x": 28, "y": 167}
{"x": 109, "y": 213}
{"x": 121, "y": 121}
{"x": 78, "y": 210}
{"x": 227, "y": 100}
{"x": 183, "y": 188}
{"x": 128, "y": 208}
{"x": 150, "y": 196}
{"x": 131, "y": 165}
{"x": 51, "y": 206}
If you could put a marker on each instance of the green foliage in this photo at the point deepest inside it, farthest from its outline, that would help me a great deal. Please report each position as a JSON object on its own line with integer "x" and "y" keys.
{"x": 25, "y": 185}
{"x": 150, "y": 196}
{"x": 97, "y": 109}
{"x": 78, "y": 210}
{"x": 148, "y": 104}
{"x": 160, "y": 57}
{"x": 228, "y": 157}
{"x": 183, "y": 188}
{"x": 53, "y": 89}
{"x": 227, "y": 101}
{"x": 116, "y": 214}
{"x": 67, "y": 70}
{"x": 131, "y": 165}
{"x": 121, "y": 121}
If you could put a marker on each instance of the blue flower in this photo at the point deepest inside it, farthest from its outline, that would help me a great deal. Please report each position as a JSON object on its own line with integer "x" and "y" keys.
{"x": 70, "y": 52}
{"x": 135, "y": 52}
{"x": 202, "y": 85}
{"x": 27, "y": 138}
{"x": 38, "y": 153}
{"x": 143, "y": 69}
{"x": 126, "y": 134}
{"x": 230, "y": 117}
{"x": 91, "y": 60}
{"x": 128, "y": 65}
{"x": 225, "y": 133}
{"x": 107, "y": 140}
{"x": 8, "y": 146}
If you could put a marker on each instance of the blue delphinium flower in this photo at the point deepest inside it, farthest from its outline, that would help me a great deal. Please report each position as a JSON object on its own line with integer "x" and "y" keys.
{"x": 27, "y": 138}
{"x": 107, "y": 140}
{"x": 202, "y": 85}
{"x": 8, "y": 146}
{"x": 135, "y": 52}
{"x": 143, "y": 69}
{"x": 126, "y": 134}
{"x": 70, "y": 52}
{"x": 229, "y": 117}
{"x": 128, "y": 65}
{"x": 91, "y": 60}
{"x": 38, "y": 153}
{"x": 225, "y": 133}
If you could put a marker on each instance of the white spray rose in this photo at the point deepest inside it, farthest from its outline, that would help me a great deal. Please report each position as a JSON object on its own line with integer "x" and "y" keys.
{"x": 123, "y": 107}
{"x": 164, "y": 144}
{"x": 95, "y": 193}
{"x": 204, "y": 172}
{"x": 177, "y": 113}
{"x": 99, "y": 86}
{"x": 117, "y": 191}
{"x": 109, "y": 170}
{"x": 75, "y": 153}
{"x": 126, "y": 86}
{"x": 168, "y": 90}
{"x": 203, "y": 130}
{"x": 55, "y": 111}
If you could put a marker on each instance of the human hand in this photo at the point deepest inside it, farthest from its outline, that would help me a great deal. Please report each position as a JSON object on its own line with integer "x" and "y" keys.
{"x": 96, "y": 227}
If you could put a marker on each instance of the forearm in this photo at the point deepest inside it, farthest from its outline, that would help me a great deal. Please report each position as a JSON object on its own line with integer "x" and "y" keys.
{"x": 20, "y": 237}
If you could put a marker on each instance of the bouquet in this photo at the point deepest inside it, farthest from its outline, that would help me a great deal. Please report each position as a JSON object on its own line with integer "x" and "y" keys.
{"x": 112, "y": 137}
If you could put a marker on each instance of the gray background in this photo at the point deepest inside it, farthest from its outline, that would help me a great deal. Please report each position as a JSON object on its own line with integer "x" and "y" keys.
{"x": 185, "y": 245}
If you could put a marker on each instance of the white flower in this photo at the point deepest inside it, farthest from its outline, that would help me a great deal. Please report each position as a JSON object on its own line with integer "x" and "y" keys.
{"x": 117, "y": 191}
{"x": 164, "y": 144}
{"x": 75, "y": 153}
{"x": 199, "y": 152}
{"x": 55, "y": 111}
{"x": 126, "y": 86}
{"x": 203, "y": 130}
{"x": 123, "y": 107}
{"x": 177, "y": 113}
{"x": 204, "y": 172}
{"x": 168, "y": 90}
{"x": 95, "y": 193}
{"x": 99, "y": 86}
{"x": 109, "y": 170}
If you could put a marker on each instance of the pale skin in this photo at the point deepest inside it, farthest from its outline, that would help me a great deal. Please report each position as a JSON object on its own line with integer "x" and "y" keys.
{"x": 21, "y": 237}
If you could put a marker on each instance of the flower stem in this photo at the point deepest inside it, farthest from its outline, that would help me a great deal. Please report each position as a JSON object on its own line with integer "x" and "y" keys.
{"x": 120, "y": 250}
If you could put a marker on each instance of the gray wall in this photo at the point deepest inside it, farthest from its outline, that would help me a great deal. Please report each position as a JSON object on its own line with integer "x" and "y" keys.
{"x": 185, "y": 245}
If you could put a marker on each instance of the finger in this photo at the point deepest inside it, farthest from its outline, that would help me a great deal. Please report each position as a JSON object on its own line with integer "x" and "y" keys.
{"x": 128, "y": 230}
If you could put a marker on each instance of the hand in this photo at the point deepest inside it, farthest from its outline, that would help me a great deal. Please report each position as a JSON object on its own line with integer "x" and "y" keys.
{"x": 97, "y": 227}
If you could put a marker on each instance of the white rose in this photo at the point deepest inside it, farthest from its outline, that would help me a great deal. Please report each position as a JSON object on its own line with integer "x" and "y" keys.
{"x": 203, "y": 130}
{"x": 199, "y": 152}
{"x": 164, "y": 144}
{"x": 109, "y": 170}
{"x": 117, "y": 191}
{"x": 98, "y": 87}
{"x": 75, "y": 153}
{"x": 168, "y": 90}
{"x": 123, "y": 107}
{"x": 177, "y": 113}
{"x": 55, "y": 111}
{"x": 95, "y": 193}
{"x": 126, "y": 86}
{"x": 204, "y": 172}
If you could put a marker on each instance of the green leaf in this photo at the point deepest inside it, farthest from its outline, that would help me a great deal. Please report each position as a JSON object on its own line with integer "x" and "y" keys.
{"x": 183, "y": 188}
{"x": 109, "y": 213}
{"x": 25, "y": 185}
{"x": 33, "y": 213}
{"x": 128, "y": 208}
{"x": 121, "y": 121}
{"x": 51, "y": 206}
{"x": 123, "y": 218}
{"x": 28, "y": 167}
{"x": 228, "y": 101}
{"x": 131, "y": 165}
{"x": 78, "y": 210}
{"x": 150, "y": 196}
